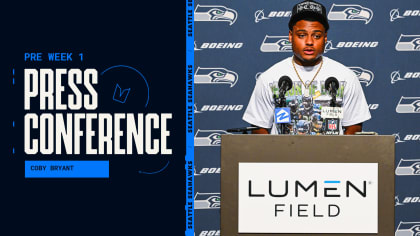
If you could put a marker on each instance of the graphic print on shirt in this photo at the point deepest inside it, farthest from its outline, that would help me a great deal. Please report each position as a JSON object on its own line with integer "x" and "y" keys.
{"x": 305, "y": 111}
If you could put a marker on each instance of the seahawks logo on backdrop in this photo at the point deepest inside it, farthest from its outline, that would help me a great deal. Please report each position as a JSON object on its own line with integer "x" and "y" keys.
{"x": 215, "y": 76}
{"x": 215, "y": 13}
{"x": 365, "y": 76}
{"x": 408, "y": 105}
{"x": 408, "y": 43}
{"x": 208, "y": 137}
{"x": 408, "y": 167}
{"x": 276, "y": 44}
{"x": 350, "y": 12}
{"x": 408, "y": 229}
{"x": 207, "y": 201}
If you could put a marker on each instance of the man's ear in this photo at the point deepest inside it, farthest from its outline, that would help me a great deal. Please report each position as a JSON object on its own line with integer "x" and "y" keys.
{"x": 290, "y": 36}
{"x": 325, "y": 39}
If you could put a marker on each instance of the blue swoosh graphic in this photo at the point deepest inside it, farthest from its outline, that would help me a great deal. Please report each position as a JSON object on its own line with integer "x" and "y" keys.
{"x": 151, "y": 173}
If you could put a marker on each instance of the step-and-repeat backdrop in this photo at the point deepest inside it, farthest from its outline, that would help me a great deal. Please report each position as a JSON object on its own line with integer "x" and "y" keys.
{"x": 236, "y": 40}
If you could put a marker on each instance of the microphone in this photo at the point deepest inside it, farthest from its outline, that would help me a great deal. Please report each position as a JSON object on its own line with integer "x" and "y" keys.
{"x": 285, "y": 84}
{"x": 332, "y": 85}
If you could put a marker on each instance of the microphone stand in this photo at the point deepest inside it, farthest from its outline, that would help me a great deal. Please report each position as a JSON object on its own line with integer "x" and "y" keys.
{"x": 282, "y": 104}
{"x": 333, "y": 92}
{"x": 332, "y": 85}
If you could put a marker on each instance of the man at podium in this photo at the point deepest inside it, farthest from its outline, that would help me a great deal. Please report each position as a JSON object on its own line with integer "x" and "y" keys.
{"x": 307, "y": 93}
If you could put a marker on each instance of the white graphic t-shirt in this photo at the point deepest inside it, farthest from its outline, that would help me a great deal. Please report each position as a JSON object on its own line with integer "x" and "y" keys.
{"x": 306, "y": 104}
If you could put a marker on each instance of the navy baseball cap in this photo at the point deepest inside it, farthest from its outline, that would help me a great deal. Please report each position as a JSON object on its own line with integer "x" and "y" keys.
{"x": 309, "y": 9}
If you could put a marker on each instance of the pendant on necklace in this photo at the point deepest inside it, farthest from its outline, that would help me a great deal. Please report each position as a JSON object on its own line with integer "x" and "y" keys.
{"x": 306, "y": 89}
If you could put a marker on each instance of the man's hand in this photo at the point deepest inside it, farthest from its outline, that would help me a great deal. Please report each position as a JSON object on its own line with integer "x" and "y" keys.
{"x": 352, "y": 129}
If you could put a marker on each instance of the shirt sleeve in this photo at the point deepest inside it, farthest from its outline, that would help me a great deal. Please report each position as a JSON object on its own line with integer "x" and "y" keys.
{"x": 260, "y": 110}
{"x": 355, "y": 107}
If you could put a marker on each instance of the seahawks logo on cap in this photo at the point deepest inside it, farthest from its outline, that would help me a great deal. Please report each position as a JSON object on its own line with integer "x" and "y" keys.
{"x": 208, "y": 137}
{"x": 276, "y": 44}
{"x": 408, "y": 43}
{"x": 408, "y": 167}
{"x": 408, "y": 105}
{"x": 350, "y": 12}
{"x": 365, "y": 76}
{"x": 215, "y": 76}
{"x": 408, "y": 229}
{"x": 215, "y": 13}
{"x": 207, "y": 200}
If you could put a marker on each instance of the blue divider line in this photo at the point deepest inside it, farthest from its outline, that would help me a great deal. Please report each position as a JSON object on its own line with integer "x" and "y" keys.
{"x": 189, "y": 99}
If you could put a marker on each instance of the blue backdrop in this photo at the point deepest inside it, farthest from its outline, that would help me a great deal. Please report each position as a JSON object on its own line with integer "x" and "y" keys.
{"x": 236, "y": 40}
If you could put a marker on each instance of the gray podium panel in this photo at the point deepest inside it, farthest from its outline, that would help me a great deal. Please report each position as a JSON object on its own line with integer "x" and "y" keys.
{"x": 306, "y": 149}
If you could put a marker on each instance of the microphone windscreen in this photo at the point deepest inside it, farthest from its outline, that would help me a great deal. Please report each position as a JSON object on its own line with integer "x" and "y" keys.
{"x": 332, "y": 80}
{"x": 288, "y": 82}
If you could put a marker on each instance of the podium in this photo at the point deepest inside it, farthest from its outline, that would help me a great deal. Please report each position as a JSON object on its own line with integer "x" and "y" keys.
{"x": 305, "y": 185}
